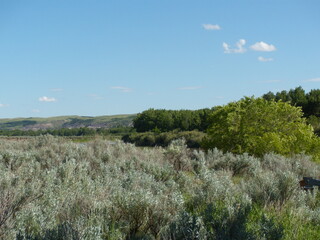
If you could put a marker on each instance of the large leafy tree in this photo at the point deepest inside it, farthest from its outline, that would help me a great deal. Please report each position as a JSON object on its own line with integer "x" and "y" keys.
{"x": 258, "y": 126}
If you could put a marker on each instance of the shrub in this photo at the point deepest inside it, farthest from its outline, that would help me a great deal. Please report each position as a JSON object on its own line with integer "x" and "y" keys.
{"x": 257, "y": 126}
{"x": 53, "y": 188}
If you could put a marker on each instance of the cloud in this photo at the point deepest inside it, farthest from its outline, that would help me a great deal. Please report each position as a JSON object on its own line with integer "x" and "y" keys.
{"x": 47, "y": 99}
{"x": 312, "y": 80}
{"x": 56, "y": 89}
{"x": 190, "y": 88}
{"x": 239, "y": 49}
{"x": 211, "y": 26}
{"x": 263, "y": 59}
{"x": 35, "y": 110}
{"x": 3, "y": 105}
{"x": 122, "y": 89}
{"x": 263, "y": 47}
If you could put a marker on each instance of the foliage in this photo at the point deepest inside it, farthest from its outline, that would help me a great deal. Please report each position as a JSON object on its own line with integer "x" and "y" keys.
{"x": 309, "y": 102}
{"x": 70, "y": 132}
{"x": 258, "y": 126}
{"x": 167, "y": 120}
{"x": 151, "y": 139}
{"x": 315, "y": 123}
{"x": 58, "y": 189}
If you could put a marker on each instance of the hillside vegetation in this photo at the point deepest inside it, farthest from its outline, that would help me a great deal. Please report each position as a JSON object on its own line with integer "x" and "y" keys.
{"x": 52, "y": 188}
{"x": 35, "y": 124}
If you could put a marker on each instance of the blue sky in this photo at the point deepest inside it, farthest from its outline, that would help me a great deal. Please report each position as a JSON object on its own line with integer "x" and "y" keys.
{"x": 94, "y": 58}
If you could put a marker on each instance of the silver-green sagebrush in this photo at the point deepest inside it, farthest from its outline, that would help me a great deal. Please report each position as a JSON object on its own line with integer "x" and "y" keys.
{"x": 52, "y": 188}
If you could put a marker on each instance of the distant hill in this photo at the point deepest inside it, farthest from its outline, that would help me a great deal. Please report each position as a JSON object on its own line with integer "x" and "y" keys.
{"x": 67, "y": 122}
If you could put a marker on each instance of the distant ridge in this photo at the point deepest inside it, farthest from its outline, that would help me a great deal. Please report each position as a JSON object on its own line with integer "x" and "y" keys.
{"x": 58, "y": 122}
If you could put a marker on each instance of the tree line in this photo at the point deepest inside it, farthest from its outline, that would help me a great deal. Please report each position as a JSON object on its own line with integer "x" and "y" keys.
{"x": 161, "y": 120}
{"x": 309, "y": 102}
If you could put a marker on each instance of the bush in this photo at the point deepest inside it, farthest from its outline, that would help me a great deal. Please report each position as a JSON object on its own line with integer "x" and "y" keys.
{"x": 257, "y": 126}
{"x": 53, "y": 188}
{"x": 151, "y": 139}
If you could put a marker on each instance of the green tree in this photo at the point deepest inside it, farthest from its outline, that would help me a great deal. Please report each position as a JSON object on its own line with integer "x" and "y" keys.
{"x": 145, "y": 121}
{"x": 313, "y": 107}
{"x": 298, "y": 97}
{"x": 258, "y": 126}
{"x": 269, "y": 96}
{"x": 283, "y": 95}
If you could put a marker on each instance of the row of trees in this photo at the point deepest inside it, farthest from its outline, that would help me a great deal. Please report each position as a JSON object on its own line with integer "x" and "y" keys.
{"x": 161, "y": 120}
{"x": 167, "y": 120}
{"x": 251, "y": 125}
{"x": 310, "y": 102}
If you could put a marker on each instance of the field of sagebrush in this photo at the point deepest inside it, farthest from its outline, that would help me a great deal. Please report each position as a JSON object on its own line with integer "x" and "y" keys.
{"x": 52, "y": 188}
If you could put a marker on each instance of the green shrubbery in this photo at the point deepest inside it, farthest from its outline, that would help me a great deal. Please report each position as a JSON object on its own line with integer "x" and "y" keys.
{"x": 168, "y": 120}
{"x": 150, "y": 139}
{"x": 257, "y": 126}
{"x": 52, "y": 188}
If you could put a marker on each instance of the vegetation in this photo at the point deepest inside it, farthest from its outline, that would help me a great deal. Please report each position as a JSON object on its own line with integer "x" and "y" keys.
{"x": 257, "y": 126}
{"x": 52, "y": 188}
{"x": 66, "y": 122}
{"x": 159, "y": 127}
{"x": 309, "y": 102}
{"x": 239, "y": 188}
{"x": 168, "y": 120}
{"x": 69, "y": 132}
{"x": 150, "y": 139}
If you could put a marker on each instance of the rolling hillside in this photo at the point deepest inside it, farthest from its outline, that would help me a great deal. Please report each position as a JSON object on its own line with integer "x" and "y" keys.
{"x": 66, "y": 122}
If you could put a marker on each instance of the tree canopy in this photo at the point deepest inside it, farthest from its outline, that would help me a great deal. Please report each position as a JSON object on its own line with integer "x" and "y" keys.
{"x": 310, "y": 102}
{"x": 258, "y": 126}
{"x": 161, "y": 120}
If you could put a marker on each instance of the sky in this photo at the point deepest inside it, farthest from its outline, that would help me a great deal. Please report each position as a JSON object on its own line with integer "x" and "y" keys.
{"x": 105, "y": 57}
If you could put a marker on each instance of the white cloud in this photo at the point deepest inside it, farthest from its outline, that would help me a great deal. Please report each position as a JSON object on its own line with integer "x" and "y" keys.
{"x": 263, "y": 47}
{"x": 122, "y": 89}
{"x": 263, "y": 59}
{"x": 239, "y": 49}
{"x": 190, "y": 88}
{"x": 211, "y": 26}
{"x": 313, "y": 80}
{"x": 35, "y": 110}
{"x": 47, "y": 99}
